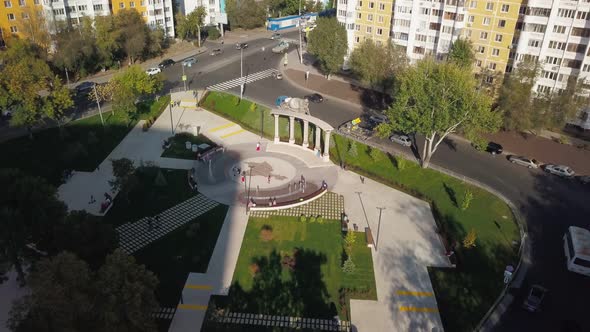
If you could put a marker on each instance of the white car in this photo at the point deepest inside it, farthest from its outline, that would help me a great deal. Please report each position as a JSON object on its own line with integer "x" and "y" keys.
{"x": 560, "y": 170}
{"x": 401, "y": 139}
{"x": 153, "y": 71}
{"x": 523, "y": 161}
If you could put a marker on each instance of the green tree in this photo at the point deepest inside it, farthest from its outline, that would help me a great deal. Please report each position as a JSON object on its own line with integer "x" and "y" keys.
{"x": 247, "y": 14}
{"x": 125, "y": 179}
{"x": 563, "y": 105}
{"x": 516, "y": 97}
{"x": 352, "y": 149}
{"x": 349, "y": 267}
{"x": 57, "y": 102}
{"x": 107, "y": 38}
{"x": 190, "y": 25}
{"x": 328, "y": 42}
{"x": 349, "y": 241}
{"x": 128, "y": 85}
{"x": 34, "y": 27}
{"x": 437, "y": 99}
{"x": 76, "y": 49}
{"x": 467, "y": 198}
{"x": 461, "y": 53}
{"x": 132, "y": 33}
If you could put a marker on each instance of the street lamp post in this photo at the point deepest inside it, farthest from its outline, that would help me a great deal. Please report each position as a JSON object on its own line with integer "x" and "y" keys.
{"x": 98, "y": 104}
{"x": 171, "y": 122}
{"x": 300, "y": 43}
{"x": 241, "y": 72}
{"x": 379, "y": 226}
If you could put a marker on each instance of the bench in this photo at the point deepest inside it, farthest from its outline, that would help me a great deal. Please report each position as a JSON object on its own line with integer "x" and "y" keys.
{"x": 369, "y": 237}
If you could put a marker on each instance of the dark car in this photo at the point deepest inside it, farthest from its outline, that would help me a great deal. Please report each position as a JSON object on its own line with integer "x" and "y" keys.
{"x": 84, "y": 87}
{"x": 166, "y": 63}
{"x": 536, "y": 295}
{"x": 314, "y": 98}
{"x": 241, "y": 46}
{"x": 216, "y": 51}
{"x": 494, "y": 148}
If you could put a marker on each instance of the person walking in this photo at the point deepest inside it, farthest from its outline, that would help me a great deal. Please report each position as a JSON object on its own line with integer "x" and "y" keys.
{"x": 269, "y": 178}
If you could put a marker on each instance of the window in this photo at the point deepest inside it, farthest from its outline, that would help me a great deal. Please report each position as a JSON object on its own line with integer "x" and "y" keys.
{"x": 142, "y": 3}
{"x": 350, "y": 26}
{"x": 380, "y": 19}
{"x": 21, "y": 3}
{"x": 379, "y": 31}
{"x": 549, "y": 74}
{"x": 418, "y": 50}
{"x": 586, "y": 67}
{"x": 404, "y": 10}
{"x": 490, "y": 6}
{"x": 434, "y": 26}
{"x": 82, "y": 8}
{"x": 483, "y": 35}
{"x": 357, "y": 39}
{"x": 489, "y": 79}
{"x": 580, "y": 32}
{"x": 381, "y": 6}
{"x": 556, "y": 45}
{"x": 341, "y": 12}
{"x": 401, "y": 23}
{"x": 159, "y": 21}
{"x": 486, "y": 21}
{"x": 582, "y": 15}
{"x": 578, "y": 48}
{"x": 535, "y": 43}
{"x": 25, "y": 16}
{"x": 473, "y": 4}
{"x": 495, "y": 51}
{"x": 371, "y": 5}
{"x": 498, "y": 37}
{"x": 481, "y": 49}
{"x": 532, "y": 27}
{"x": 505, "y": 8}
{"x": 569, "y": 13}
{"x": 543, "y": 12}
{"x": 552, "y": 60}
{"x": 425, "y": 11}
{"x": 121, "y": 5}
{"x": 437, "y": 12}
{"x": 370, "y": 17}
{"x": 478, "y": 63}
{"x": 7, "y": 4}
{"x": 369, "y": 29}
{"x": 492, "y": 66}
{"x": 358, "y": 27}
{"x": 360, "y": 3}
{"x": 59, "y": 11}
{"x": 11, "y": 17}
{"x": 559, "y": 29}
{"x": 359, "y": 16}
{"x": 132, "y": 4}
{"x": 13, "y": 29}
{"x": 501, "y": 23}
{"x": 447, "y": 29}
{"x": 421, "y": 38}
{"x": 543, "y": 89}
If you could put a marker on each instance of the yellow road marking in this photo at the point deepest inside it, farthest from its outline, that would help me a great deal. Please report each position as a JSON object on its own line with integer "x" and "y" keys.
{"x": 417, "y": 309}
{"x": 234, "y": 133}
{"x": 410, "y": 293}
{"x": 188, "y": 101}
{"x": 201, "y": 287}
{"x": 227, "y": 125}
{"x": 192, "y": 306}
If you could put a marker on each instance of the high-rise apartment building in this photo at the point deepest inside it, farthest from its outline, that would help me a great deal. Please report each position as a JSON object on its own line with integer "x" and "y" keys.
{"x": 212, "y": 7}
{"x": 346, "y": 15}
{"x": 14, "y": 14}
{"x": 155, "y": 12}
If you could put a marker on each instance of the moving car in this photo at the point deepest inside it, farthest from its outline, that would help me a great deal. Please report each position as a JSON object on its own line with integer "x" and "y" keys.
{"x": 166, "y": 63}
{"x": 85, "y": 87}
{"x": 277, "y": 76}
{"x": 560, "y": 170}
{"x": 524, "y": 161}
{"x": 189, "y": 61}
{"x": 401, "y": 139}
{"x": 241, "y": 46}
{"x": 494, "y": 148}
{"x": 314, "y": 98}
{"x": 153, "y": 71}
{"x": 275, "y": 36}
{"x": 536, "y": 295}
{"x": 216, "y": 51}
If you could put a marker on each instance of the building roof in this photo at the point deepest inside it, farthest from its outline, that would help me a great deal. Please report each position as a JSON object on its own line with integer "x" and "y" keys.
{"x": 581, "y": 241}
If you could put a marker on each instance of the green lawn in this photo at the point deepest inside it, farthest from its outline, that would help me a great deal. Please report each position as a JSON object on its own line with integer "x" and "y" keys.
{"x": 147, "y": 198}
{"x": 229, "y": 106}
{"x": 266, "y": 281}
{"x": 187, "y": 249}
{"x": 80, "y": 145}
{"x": 178, "y": 148}
{"x": 466, "y": 293}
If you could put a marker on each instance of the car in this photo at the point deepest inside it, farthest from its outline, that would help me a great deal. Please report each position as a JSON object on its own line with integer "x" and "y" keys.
{"x": 153, "y": 71}
{"x": 314, "y": 98}
{"x": 216, "y": 51}
{"x": 584, "y": 179}
{"x": 401, "y": 139}
{"x": 166, "y": 63}
{"x": 494, "y": 148}
{"x": 379, "y": 118}
{"x": 241, "y": 46}
{"x": 536, "y": 295}
{"x": 277, "y": 76}
{"x": 189, "y": 61}
{"x": 85, "y": 87}
{"x": 560, "y": 170}
{"x": 275, "y": 36}
{"x": 524, "y": 161}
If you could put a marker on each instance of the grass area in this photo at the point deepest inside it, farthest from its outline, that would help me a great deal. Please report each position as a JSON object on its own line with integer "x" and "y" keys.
{"x": 187, "y": 249}
{"x": 291, "y": 268}
{"x": 464, "y": 294}
{"x": 147, "y": 198}
{"x": 178, "y": 148}
{"x": 249, "y": 117}
{"x": 80, "y": 145}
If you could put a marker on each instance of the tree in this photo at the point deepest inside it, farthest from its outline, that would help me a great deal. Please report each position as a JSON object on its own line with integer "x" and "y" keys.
{"x": 34, "y": 27}
{"x": 107, "y": 38}
{"x": 435, "y": 100}
{"x": 28, "y": 209}
{"x": 129, "y": 85}
{"x": 76, "y": 50}
{"x": 58, "y": 101}
{"x": 124, "y": 173}
{"x": 516, "y": 97}
{"x": 247, "y": 14}
{"x": 563, "y": 105}
{"x": 349, "y": 241}
{"x": 349, "y": 267}
{"x": 470, "y": 238}
{"x": 467, "y": 198}
{"x": 328, "y": 43}
{"x": 461, "y": 53}
{"x": 190, "y": 25}
{"x": 132, "y": 33}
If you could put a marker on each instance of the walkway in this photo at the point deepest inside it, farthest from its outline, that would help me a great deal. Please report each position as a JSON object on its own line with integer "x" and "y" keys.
{"x": 136, "y": 235}
{"x": 329, "y": 206}
{"x": 285, "y": 321}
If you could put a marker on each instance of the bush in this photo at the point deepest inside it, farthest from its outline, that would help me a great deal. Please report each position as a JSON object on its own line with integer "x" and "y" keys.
{"x": 312, "y": 219}
{"x": 400, "y": 163}
{"x": 352, "y": 149}
{"x": 375, "y": 154}
{"x": 467, "y": 198}
{"x": 320, "y": 219}
{"x": 303, "y": 218}
{"x": 348, "y": 267}
{"x": 213, "y": 33}
{"x": 145, "y": 126}
{"x": 469, "y": 240}
{"x": 252, "y": 107}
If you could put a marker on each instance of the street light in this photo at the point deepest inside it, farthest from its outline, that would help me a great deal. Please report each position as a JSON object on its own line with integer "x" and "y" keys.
{"x": 98, "y": 103}
{"x": 241, "y": 71}
{"x": 300, "y": 43}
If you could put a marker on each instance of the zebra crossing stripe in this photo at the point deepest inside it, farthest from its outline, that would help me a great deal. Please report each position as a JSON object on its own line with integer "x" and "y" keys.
{"x": 238, "y": 81}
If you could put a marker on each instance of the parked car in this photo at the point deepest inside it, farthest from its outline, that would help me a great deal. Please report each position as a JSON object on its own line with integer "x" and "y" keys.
{"x": 275, "y": 36}
{"x": 277, "y": 76}
{"x": 536, "y": 295}
{"x": 216, "y": 51}
{"x": 84, "y": 87}
{"x": 524, "y": 161}
{"x": 241, "y": 46}
{"x": 401, "y": 139}
{"x": 153, "y": 71}
{"x": 189, "y": 61}
{"x": 560, "y": 170}
{"x": 314, "y": 98}
{"x": 494, "y": 148}
{"x": 166, "y": 63}
{"x": 584, "y": 179}
{"x": 379, "y": 118}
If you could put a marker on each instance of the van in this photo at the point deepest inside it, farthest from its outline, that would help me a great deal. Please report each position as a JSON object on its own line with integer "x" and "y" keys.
{"x": 576, "y": 243}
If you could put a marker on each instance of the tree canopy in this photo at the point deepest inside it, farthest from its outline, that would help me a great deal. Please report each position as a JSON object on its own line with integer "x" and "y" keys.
{"x": 247, "y": 14}
{"x": 436, "y": 99}
{"x": 516, "y": 97}
{"x": 328, "y": 42}
{"x": 129, "y": 85}
{"x": 461, "y": 53}
{"x": 189, "y": 26}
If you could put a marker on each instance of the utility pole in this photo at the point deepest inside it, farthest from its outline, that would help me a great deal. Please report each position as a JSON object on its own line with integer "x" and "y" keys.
{"x": 171, "y": 122}
{"x": 98, "y": 104}
{"x": 241, "y": 72}
{"x": 378, "y": 226}
{"x": 300, "y": 43}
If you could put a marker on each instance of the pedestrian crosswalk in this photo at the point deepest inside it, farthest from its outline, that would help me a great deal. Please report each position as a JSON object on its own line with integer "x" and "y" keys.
{"x": 246, "y": 79}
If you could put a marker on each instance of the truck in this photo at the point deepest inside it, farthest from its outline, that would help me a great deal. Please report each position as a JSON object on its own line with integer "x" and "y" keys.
{"x": 298, "y": 105}
{"x": 282, "y": 47}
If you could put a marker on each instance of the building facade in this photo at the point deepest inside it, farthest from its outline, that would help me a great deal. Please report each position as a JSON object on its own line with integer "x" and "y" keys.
{"x": 15, "y": 14}
{"x": 157, "y": 13}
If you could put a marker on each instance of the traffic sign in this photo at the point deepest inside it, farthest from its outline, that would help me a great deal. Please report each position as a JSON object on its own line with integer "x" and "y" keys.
{"x": 184, "y": 77}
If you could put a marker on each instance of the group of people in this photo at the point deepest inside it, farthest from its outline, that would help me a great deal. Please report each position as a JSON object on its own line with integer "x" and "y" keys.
{"x": 108, "y": 200}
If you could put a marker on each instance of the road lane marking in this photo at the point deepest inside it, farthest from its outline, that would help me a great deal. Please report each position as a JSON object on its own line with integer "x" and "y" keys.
{"x": 410, "y": 293}
{"x": 234, "y": 133}
{"x": 417, "y": 309}
{"x": 200, "y": 287}
{"x": 227, "y": 125}
{"x": 192, "y": 306}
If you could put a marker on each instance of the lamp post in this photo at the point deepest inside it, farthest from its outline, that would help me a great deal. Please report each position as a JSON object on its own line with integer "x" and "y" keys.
{"x": 300, "y": 43}
{"x": 98, "y": 104}
{"x": 241, "y": 71}
{"x": 379, "y": 226}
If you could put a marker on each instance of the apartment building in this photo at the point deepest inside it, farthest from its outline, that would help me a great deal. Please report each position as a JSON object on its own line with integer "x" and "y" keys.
{"x": 14, "y": 14}
{"x": 157, "y": 13}
{"x": 557, "y": 34}
{"x": 212, "y": 7}
{"x": 346, "y": 15}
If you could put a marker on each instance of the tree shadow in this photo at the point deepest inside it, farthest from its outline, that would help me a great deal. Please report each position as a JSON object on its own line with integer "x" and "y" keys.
{"x": 452, "y": 195}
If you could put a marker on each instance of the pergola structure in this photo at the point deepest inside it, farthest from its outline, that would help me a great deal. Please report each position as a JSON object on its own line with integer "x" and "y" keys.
{"x": 307, "y": 119}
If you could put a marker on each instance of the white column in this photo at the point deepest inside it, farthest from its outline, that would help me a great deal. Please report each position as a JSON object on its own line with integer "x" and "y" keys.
{"x": 318, "y": 143}
{"x": 327, "y": 146}
{"x": 305, "y": 134}
{"x": 277, "y": 137}
{"x": 291, "y": 130}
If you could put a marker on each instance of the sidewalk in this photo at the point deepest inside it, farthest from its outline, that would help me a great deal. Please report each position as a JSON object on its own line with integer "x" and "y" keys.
{"x": 543, "y": 149}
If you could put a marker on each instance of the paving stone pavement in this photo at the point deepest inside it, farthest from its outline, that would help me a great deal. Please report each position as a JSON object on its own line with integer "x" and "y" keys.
{"x": 134, "y": 236}
{"x": 329, "y": 206}
{"x": 164, "y": 313}
{"x": 286, "y": 321}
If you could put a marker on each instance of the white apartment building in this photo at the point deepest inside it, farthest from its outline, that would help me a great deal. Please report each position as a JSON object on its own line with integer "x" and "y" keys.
{"x": 346, "y": 15}
{"x": 557, "y": 34}
{"x": 213, "y": 8}
{"x": 427, "y": 28}
{"x": 160, "y": 13}
{"x": 72, "y": 11}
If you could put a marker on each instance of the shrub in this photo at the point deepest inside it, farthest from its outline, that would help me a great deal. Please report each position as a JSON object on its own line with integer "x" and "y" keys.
{"x": 467, "y": 198}
{"x": 252, "y": 107}
{"x": 145, "y": 126}
{"x": 400, "y": 163}
{"x": 375, "y": 154}
{"x": 320, "y": 220}
{"x": 303, "y": 218}
{"x": 469, "y": 240}
{"x": 312, "y": 219}
{"x": 348, "y": 267}
{"x": 349, "y": 241}
{"x": 213, "y": 33}
{"x": 236, "y": 100}
{"x": 266, "y": 233}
